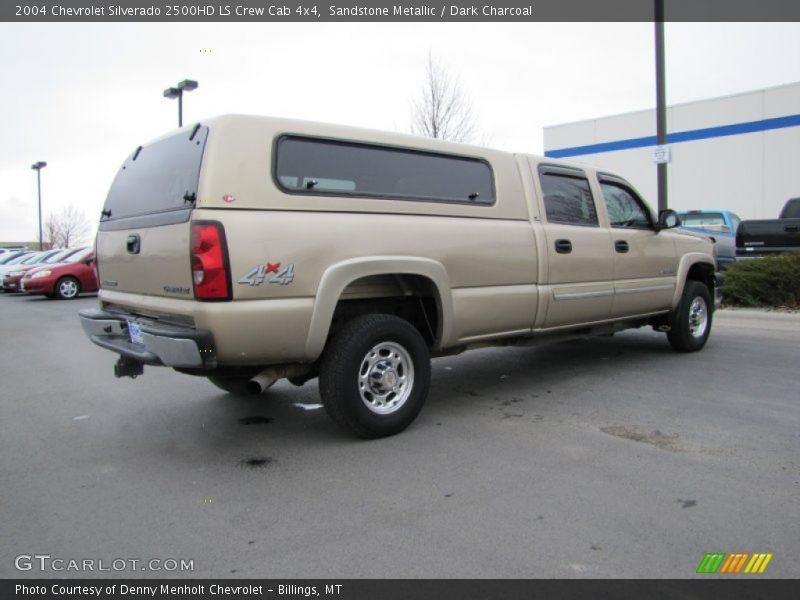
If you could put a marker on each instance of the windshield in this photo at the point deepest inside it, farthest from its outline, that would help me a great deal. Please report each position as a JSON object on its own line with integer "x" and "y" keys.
{"x": 701, "y": 219}
{"x": 711, "y": 221}
{"x": 59, "y": 256}
{"x": 80, "y": 255}
{"x": 41, "y": 257}
{"x": 34, "y": 258}
{"x": 18, "y": 259}
{"x": 791, "y": 210}
{"x": 9, "y": 257}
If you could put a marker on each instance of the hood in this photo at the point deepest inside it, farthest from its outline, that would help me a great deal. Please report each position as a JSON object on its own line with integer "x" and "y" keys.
{"x": 696, "y": 234}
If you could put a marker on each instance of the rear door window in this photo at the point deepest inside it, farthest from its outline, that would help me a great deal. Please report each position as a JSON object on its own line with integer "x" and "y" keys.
{"x": 568, "y": 198}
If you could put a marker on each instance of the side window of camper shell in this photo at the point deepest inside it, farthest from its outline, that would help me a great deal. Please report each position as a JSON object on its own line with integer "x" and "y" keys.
{"x": 321, "y": 167}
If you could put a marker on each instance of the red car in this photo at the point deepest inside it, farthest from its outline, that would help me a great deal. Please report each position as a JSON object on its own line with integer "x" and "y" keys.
{"x": 64, "y": 280}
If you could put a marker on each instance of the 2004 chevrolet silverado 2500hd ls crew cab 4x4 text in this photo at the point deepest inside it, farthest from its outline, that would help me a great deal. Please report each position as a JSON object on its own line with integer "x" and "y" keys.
{"x": 247, "y": 249}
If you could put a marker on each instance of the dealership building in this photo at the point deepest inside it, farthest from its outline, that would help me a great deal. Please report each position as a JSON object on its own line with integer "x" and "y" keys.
{"x": 740, "y": 152}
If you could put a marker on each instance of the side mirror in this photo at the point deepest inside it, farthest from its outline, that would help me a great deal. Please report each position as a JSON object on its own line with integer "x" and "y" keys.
{"x": 89, "y": 261}
{"x": 668, "y": 219}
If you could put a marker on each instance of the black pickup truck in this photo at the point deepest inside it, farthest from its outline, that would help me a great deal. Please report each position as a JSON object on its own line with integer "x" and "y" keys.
{"x": 772, "y": 236}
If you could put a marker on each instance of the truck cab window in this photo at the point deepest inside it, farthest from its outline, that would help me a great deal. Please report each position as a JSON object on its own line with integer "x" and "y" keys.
{"x": 624, "y": 208}
{"x": 568, "y": 200}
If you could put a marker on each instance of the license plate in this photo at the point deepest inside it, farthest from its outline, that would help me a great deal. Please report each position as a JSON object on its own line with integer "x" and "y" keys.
{"x": 135, "y": 333}
{"x": 21, "y": 286}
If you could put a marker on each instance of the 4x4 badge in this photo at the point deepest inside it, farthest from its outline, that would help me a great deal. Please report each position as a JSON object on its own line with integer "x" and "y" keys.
{"x": 257, "y": 276}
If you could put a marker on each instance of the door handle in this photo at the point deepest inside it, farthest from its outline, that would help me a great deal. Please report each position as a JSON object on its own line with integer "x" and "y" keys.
{"x": 563, "y": 246}
{"x": 621, "y": 246}
{"x": 133, "y": 243}
{"x": 790, "y": 229}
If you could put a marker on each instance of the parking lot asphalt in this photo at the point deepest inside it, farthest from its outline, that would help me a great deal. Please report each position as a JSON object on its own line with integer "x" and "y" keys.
{"x": 607, "y": 457}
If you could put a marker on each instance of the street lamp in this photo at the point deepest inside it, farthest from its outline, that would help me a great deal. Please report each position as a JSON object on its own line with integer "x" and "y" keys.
{"x": 187, "y": 85}
{"x": 38, "y": 166}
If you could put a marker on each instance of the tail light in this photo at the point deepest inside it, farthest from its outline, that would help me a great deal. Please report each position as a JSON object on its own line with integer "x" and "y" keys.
{"x": 210, "y": 269}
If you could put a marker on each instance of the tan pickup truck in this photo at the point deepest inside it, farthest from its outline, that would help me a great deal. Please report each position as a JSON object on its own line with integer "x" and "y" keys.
{"x": 248, "y": 249}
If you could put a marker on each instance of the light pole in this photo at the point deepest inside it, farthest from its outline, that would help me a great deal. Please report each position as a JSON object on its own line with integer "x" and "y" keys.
{"x": 38, "y": 166}
{"x": 661, "y": 104}
{"x": 187, "y": 85}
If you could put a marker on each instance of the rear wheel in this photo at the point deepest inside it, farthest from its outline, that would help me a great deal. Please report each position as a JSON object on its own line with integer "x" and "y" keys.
{"x": 67, "y": 288}
{"x": 374, "y": 375}
{"x": 691, "y": 322}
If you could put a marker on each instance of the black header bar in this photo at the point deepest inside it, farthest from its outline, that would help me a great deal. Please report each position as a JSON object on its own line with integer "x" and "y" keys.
{"x": 41, "y": 11}
{"x": 734, "y": 588}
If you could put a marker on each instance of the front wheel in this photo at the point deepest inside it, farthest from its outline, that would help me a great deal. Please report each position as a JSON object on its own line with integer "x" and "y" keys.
{"x": 67, "y": 288}
{"x": 691, "y": 322}
{"x": 374, "y": 375}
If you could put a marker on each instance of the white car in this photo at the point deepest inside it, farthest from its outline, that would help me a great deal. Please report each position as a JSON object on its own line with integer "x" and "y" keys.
{"x": 26, "y": 260}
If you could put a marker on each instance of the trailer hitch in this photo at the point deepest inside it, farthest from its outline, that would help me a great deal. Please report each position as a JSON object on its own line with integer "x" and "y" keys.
{"x": 128, "y": 367}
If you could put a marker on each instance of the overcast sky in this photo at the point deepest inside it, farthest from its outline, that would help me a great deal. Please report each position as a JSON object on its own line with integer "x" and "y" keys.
{"x": 82, "y": 96}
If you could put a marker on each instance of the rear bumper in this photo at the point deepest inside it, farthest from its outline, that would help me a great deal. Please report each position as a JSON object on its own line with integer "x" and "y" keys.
{"x": 162, "y": 344}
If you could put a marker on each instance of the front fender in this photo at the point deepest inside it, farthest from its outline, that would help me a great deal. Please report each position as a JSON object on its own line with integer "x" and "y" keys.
{"x": 686, "y": 263}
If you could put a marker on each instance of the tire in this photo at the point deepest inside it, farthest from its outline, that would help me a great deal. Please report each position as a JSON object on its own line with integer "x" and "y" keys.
{"x": 374, "y": 375}
{"x": 691, "y": 322}
{"x": 67, "y": 288}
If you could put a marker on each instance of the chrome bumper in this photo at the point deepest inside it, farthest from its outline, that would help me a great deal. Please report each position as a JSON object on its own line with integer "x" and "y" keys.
{"x": 162, "y": 344}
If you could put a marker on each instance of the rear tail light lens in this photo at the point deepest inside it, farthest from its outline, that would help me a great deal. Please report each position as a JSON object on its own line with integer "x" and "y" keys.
{"x": 210, "y": 269}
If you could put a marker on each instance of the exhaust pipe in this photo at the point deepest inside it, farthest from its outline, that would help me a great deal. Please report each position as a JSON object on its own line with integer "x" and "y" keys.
{"x": 262, "y": 381}
{"x": 266, "y": 378}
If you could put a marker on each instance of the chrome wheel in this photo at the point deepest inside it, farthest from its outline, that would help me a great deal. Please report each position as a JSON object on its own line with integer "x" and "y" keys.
{"x": 374, "y": 375}
{"x": 690, "y": 322}
{"x": 698, "y": 317}
{"x": 68, "y": 288}
{"x": 386, "y": 378}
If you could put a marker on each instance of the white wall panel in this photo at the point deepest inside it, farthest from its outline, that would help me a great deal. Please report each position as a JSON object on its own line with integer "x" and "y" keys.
{"x": 752, "y": 174}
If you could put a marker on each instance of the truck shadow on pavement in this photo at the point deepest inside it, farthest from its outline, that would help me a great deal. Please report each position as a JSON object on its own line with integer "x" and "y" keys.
{"x": 254, "y": 432}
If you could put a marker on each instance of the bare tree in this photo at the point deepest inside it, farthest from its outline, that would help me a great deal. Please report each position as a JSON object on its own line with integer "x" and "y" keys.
{"x": 442, "y": 110}
{"x": 67, "y": 228}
